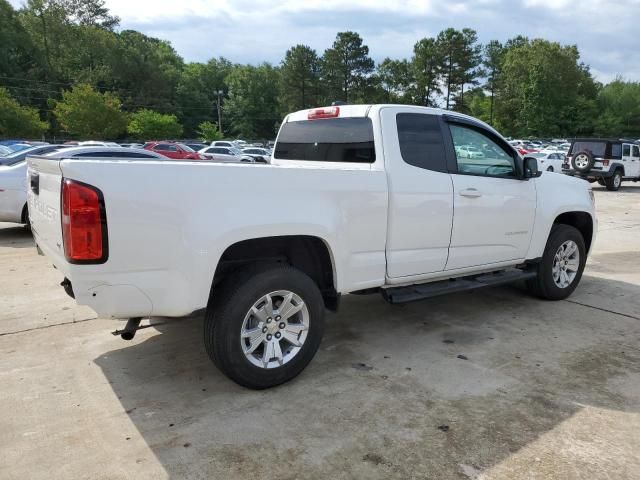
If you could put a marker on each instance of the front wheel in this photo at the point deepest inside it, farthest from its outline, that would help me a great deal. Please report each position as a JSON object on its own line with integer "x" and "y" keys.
{"x": 550, "y": 169}
{"x": 264, "y": 325}
{"x": 562, "y": 264}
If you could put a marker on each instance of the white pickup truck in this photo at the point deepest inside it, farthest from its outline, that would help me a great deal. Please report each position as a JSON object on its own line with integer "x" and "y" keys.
{"x": 356, "y": 199}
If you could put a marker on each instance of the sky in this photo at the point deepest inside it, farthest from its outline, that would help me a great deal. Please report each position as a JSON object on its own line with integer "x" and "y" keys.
{"x": 252, "y": 31}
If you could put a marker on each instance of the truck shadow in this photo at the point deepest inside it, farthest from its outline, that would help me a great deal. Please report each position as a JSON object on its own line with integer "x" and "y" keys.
{"x": 13, "y": 235}
{"x": 429, "y": 389}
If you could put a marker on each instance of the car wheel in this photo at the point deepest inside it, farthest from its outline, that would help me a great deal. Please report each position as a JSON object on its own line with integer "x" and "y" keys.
{"x": 613, "y": 182}
{"x": 264, "y": 325}
{"x": 562, "y": 264}
{"x": 582, "y": 161}
{"x": 550, "y": 169}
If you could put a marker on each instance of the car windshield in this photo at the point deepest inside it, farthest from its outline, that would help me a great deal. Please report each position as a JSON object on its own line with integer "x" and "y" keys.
{"x": 16, "y": 157}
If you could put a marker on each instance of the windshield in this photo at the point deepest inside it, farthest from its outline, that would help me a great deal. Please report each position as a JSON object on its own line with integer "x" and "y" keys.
{"x": 16, "y": 157}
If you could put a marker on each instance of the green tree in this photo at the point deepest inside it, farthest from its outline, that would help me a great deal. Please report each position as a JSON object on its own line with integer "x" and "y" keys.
{"x": 427, "y": 63}
{"x": 619, "y": 107}
{"x": 17, "y": 120}
{"x": 450, "y": 43}
{"x": 469, "y": 61}
{"x": 346, "y": 67}
{"x": 15, "y": 46}
{"x": 197, "y": 92}
{"x": 395, "y": 79}
{"x": 300, "y": 73}
{"x": 149, "y": 125}
{"x": 545, "y": 90}
{"x": 252, "y": 107}
{"x": 493, "y": 57}
{"x": 86, "y": 113}
{"x": 209, "y": 131}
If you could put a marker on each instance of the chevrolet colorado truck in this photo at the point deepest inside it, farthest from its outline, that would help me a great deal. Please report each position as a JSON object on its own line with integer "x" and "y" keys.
{"x": 356, "y": 199}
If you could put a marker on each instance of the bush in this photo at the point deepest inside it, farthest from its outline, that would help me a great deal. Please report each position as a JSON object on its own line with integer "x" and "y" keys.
{"x": 19, "y": 121}
{"x": 150, "y": 125}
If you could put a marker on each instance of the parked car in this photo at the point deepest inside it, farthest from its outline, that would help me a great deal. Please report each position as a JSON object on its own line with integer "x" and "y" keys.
{"x": 357, "y": 199}
{"x": 13, "y": 183}
{"x": 549, "y": 161}
{"x": 97, "y": 143}
{"x": 132, "y": 145}
{"x": 226, "y": 154}
{"x": 175, "y": 150}
{"x": 602, "y": 160}
{"x": 468, "y": 151}
{"x": 223, "y": 143}
{"x": 260, "y": 154}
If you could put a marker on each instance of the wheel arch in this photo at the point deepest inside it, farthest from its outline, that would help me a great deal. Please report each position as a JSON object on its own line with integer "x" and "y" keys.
{"x": 310, "y": 254}
{"x": 582, "y": 221}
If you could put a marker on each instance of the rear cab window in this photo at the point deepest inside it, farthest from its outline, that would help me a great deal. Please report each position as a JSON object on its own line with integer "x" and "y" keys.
{"x": 342, "y": 139}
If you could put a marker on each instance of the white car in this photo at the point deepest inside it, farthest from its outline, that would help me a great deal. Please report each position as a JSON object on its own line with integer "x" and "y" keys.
{"x": 13, "y": 183}
{"x": 97, "y": 143}
{"x": 225, "y": 154}
{"x": 223, "y": 143}
{"x": 357, "y": 199}
{"x": 261, "y": 153}
{"x": 13, "y": 173}
{"x": 468, "y": 151}
{"x": 549, "y": 161}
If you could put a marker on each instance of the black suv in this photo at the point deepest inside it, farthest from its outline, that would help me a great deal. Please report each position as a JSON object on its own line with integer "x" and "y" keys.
{"x": 604, "y": 160}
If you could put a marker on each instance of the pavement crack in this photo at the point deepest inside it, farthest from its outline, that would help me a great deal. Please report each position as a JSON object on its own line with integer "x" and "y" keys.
{"x": 603, "y": 309}
{"x": 43, "y": 327}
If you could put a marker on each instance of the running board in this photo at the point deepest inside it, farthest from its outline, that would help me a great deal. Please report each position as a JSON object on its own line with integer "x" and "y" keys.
{"x": 411, "y": 293}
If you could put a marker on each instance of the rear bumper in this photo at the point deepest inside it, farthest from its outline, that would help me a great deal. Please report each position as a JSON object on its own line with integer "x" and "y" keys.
{"x": 589, "y": 174}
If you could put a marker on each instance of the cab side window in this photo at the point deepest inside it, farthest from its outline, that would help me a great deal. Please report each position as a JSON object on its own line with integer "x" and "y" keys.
{"x": 636, "y": 151}
{"x": 477, "y": 154}
{"x": 420, "y": 139}
{"x": 626, "y": 150}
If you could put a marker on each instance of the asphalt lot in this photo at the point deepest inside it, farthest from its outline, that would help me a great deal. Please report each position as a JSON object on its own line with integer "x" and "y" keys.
{"x": 543, "y": 390}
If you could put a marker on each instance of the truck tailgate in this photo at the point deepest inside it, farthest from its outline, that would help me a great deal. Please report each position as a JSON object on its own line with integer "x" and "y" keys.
{"x": 44, "y": 180}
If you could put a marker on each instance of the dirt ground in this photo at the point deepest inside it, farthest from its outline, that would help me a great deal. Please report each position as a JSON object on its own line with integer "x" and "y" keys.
{"x": 491, "y": 384}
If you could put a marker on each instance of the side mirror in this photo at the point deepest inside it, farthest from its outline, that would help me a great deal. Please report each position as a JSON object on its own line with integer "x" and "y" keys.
{"x": 531, "y": 168}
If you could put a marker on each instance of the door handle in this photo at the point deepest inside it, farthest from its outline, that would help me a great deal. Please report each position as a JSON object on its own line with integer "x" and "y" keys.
{"x": 471, "y": 193}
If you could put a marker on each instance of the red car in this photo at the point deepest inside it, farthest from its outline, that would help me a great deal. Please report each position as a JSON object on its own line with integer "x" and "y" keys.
{"x": 178, "y": 151}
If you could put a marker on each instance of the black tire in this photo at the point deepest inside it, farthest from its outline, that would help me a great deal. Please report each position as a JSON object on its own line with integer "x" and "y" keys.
{"x": 228, "y": 308}
{"x": 25, "y": 216}
{"x": 614, "y": 181}
{"x": 579, "y": 159}
{"x": 543, "y": 285}
{"x": 591, "y": 180}
{"x": 601, "y": 181}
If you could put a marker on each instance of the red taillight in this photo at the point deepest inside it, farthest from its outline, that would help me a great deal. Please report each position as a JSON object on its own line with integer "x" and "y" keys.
{"x": 84, "y": 223}
{"x": 605, "y": 162}
{"x": 325, "y": 112}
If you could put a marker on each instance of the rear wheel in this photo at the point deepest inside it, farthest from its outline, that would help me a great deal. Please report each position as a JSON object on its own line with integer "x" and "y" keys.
{"x": 264, "y": 325}
{"x": 613, "y": 182}
{"x": 562, "y": 264}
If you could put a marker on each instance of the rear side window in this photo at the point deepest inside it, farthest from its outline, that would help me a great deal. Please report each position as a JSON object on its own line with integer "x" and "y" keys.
{"x": 616, "y": 150}
{"x": 626, "y": 150}
{"x": 327, "y": 140}
{"x": 597, "y": 149}
{"x": 421, "y": 143}
{"x": 165, "y": 147}
{"x": 636, "y": 151}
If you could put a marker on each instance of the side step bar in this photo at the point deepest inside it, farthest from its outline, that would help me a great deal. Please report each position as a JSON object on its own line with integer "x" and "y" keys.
{"x": 411, "y": 293}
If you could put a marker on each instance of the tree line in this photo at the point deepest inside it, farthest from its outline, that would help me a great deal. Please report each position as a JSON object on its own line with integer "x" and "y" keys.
{"x": 67, "y": 71}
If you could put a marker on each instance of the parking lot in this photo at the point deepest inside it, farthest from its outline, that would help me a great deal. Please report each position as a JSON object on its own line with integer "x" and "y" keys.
{"x": 488, "y": 384}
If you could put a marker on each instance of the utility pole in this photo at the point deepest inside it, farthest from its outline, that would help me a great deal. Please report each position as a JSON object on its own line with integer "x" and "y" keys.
{"x": 219, "y": 92}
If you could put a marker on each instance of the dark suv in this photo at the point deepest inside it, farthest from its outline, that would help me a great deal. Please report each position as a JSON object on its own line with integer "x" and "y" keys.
{"x": 604, "y": 160}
